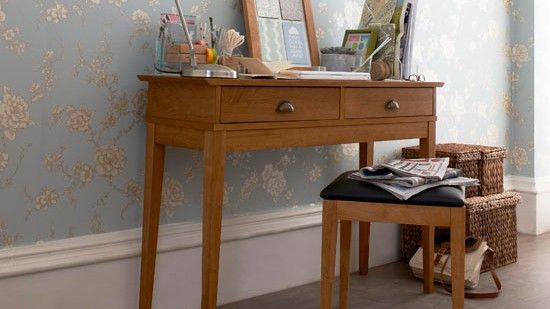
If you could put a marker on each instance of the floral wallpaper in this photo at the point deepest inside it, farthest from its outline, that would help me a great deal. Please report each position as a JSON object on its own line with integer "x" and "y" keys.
{"x": 542, "y": 91}
{"x": 71, "y": 111}
{"x": 520, "y": 107}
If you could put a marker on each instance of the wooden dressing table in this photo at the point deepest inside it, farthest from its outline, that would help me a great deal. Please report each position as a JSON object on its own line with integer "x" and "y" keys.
{"x": 217, "y": 116}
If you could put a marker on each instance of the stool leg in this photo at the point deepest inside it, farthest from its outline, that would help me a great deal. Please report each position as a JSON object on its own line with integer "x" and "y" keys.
{"x": 364, "y": 240}
{"x": 428, "y": 233}
{"x": 328, "y": 252}
{"x": 457, "y": 256}
{"x": 345, "y": 245}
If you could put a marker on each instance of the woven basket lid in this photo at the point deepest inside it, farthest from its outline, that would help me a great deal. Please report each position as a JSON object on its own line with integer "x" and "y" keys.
{"x": 464, "y": 152}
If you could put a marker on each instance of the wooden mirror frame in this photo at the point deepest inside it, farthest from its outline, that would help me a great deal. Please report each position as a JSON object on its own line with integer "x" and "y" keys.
{"x": 253, "y": 34}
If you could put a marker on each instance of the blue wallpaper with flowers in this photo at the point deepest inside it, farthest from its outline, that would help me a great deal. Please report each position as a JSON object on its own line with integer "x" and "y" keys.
{"x": 71, "y": 110}
{"x": 521, "y": 108}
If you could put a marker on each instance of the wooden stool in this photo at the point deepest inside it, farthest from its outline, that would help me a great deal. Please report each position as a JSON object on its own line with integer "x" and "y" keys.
{"x": 347, "y": 200}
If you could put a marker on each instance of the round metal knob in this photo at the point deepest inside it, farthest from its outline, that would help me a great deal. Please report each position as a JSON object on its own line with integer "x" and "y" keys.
{"x": 392, "y": 105}
{"x": 285, "y": 107}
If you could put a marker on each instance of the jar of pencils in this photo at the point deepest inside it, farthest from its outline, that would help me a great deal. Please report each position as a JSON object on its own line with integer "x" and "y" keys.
{"x": 171, "y": 48}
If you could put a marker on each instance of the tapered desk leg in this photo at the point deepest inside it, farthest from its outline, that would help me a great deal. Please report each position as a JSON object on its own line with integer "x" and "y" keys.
{"x": 154, "y": 170}
{"x": 214, "y": 165}
{"x": 366, "y": 158}
{"x": 427, "y": 145}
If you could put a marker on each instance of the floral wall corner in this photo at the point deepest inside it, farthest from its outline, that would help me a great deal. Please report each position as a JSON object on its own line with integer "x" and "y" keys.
{"x": 71, "y": 111}
{"x": 520, "y": 107}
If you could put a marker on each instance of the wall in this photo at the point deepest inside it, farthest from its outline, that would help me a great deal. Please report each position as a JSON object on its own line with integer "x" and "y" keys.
{"x": 542, "y": 91}
{"x": 71, "y": 129}
{"x": 71, "y": 142}
{"x": 521, "y": 107}
{"x": 531, "y": 94}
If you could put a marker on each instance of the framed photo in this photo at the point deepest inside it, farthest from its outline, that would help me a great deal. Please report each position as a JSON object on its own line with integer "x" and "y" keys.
{"x": 281, "y": 30}
{"x": 362, "y": 41}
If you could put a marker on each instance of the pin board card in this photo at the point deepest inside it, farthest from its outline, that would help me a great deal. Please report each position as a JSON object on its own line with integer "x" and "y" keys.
{"x": 281, "y": 30}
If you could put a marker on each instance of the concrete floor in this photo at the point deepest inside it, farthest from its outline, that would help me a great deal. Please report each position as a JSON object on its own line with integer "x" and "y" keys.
{"x": 526, "y": 285}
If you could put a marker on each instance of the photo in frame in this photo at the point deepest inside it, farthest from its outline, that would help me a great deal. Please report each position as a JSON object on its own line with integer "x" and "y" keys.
{"x": 293, "y": 19}
{"x": 363, "y": 41}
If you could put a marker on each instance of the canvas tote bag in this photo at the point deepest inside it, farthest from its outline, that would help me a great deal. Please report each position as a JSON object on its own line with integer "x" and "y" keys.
{"x": 475, "y": 254}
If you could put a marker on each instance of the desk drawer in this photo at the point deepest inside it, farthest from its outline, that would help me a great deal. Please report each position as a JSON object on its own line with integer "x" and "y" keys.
{"x": 377, "y": 102}
{"x": 265, "y": 104}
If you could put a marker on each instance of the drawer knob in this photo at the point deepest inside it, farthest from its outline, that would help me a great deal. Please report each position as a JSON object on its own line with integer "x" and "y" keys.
{"x": 285, "y": 107}
{"x": 392, "y": 105}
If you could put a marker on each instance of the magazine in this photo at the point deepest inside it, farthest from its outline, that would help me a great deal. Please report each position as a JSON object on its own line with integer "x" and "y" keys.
{"x": 404, "y": 193}
{"x": 389, "y": 178}
{"x": 432, "y": 169}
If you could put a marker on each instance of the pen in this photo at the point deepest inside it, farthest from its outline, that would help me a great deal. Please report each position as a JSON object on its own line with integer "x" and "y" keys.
{"x": 211, "y": 31}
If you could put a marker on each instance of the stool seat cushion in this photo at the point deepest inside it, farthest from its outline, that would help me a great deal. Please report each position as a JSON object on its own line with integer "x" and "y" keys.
{"x": 345, "y": 189}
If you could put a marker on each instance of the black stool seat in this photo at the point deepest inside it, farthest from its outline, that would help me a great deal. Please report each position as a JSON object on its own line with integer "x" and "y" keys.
{"x": 345, "y": 189}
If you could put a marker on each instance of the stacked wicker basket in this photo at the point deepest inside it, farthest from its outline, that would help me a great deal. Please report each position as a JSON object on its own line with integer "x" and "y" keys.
{"x": 490, "y": 212}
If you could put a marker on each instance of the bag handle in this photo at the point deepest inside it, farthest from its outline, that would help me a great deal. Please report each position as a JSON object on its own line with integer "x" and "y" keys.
{"x": 489, "y": 254}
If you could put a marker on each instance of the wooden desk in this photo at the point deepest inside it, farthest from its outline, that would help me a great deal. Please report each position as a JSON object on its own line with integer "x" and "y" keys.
{"x": 217, "y": 116}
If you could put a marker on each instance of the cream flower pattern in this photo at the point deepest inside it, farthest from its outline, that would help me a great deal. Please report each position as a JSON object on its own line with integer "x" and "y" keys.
{"x": 519, "y": 54}
{"x": 56, "y": 13}
{"x": 274, "y": 181}
{"x": 9, "y": 35}
{"x": 314, "y": 173}
{"x": 118, "y": 3}
{"x": 47, "y": 198}
{"x": 14, "y": 114}
{"x": 79, "y": 119}
{"x": 93, "y": 3}
{"x": 3, "y": 160}
{"x": 141, "y": 20}
{"x": 518, "y": 157}
{"x": 83, "y": 172}
{"x": 37, "y": 92}
{"x": 172, "y": 196}
{"x": 134, "y": 189}
{"x": 54, "y": 160}
{"x": 2, "y": 15}
{"x": 110, "y": 161}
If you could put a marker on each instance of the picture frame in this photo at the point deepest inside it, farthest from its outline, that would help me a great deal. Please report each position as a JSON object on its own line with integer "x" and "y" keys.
{"x": 290, "y": 27}
{"x": 361, "y": 40}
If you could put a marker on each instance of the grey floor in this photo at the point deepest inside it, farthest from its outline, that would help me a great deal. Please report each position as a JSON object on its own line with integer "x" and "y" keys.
{"x": 526, "y": 285}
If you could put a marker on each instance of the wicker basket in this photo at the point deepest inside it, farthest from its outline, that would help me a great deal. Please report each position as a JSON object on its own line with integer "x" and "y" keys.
{"x": 481, "y": 162}
{"x": 492, "y": 218}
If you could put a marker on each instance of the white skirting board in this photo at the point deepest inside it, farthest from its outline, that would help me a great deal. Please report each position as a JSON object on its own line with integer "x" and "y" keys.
{"x": 260, "y": 254}
{"x": 533, "y": 213}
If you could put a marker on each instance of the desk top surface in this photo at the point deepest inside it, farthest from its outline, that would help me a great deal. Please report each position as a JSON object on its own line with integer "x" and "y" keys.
{"x": 287, "y": 83}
